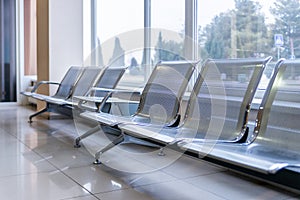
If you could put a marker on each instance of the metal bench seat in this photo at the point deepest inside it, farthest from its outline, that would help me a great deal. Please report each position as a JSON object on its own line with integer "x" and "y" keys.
{"x": 159, "y": 102}
{"x": 160, "y": 134}
{"x": 254, "y": 157}
{"x": 64, "y": 90}
{"x": 109, "y": 119}
{"x": 64, "y": 87}
{"x": 91, "y": 77}
{"x": 218, "y": 108}
{"x": 78, "y": 84}
{"x": 56, "y": 102}
{"x": 273, "y": 145}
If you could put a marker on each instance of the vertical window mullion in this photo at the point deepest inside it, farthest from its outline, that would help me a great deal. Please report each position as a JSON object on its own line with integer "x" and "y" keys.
{"x": 1, "y": 49}
{"x": 191, "y": 34}
{"x": 147, "y": 38}
{"x": 93, "y": 30}
{"x": 190, "y": 43}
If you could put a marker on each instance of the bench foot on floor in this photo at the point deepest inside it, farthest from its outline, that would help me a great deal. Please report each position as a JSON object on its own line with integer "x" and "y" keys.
{"x": 115, "y": 142}
{"x": 86, "y": 134}
{"x": 36, "y": 114}
{"x": 161, "y": 152}
{"x": 97, "y": 162}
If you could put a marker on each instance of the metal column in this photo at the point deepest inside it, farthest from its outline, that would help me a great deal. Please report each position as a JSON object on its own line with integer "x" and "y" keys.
{"x": 191, "y": 32}
{"x": 93, "y": 31}
{"x": 2, "y": 50}
{"x": 147, "y": 39}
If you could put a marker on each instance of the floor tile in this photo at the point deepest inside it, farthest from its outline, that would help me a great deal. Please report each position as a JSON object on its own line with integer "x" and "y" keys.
{"x": 234, "y": 186}
{"x": 177, "y": 190}
{"x": 24, "y": 163}
{"x": 129, "y": 194}
{"x": 95, "y": 180}
{"x": 5, "y": 137}
{"x": 140, "y": 179}
{"x": 186, "y": 167}
{"x": 39, "y": 162}
{"x": 120, "y": 159}
{"x": 61, "y": 154}
{"x": 69, "y": 158}
{"x": 12, "y": 148}
{"x": 46, "y": 186}
{"x": 88, "y": 197}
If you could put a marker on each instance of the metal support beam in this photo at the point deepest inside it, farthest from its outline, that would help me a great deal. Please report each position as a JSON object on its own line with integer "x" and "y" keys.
{"x": 147, "y": 39}
{"x": 93, "y": 31}
{"x": 191, "y": 30}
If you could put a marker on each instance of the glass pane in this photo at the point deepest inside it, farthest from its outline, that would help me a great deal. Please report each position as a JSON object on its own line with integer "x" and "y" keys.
{"x": 236, "y": 29}
{"x": 167, "y": 21}
{"x": 120, "y": 33}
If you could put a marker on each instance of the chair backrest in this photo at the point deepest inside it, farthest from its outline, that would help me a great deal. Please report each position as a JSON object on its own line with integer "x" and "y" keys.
{"x": 68, "y": 82}
{"x": 109, "y": 79}
{"x": 161, "y": 96}
{"x": 86, "y": 80}
{"x": 220, "y": 103}
{"x": 278, "y": 118}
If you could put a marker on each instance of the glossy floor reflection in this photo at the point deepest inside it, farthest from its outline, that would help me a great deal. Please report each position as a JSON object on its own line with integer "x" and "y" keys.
{"x": 38, "y": 161}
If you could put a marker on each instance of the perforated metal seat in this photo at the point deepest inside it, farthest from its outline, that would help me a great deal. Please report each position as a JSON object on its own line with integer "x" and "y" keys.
{"x": 218, "y": 107}
{"x": 108, "y": 80}
{"x": 81, "y": 87}
{"x": 65, "y": 87}
{"x": 274, "y": 142}
{"x": 64, "y": 90}
{"x": 159, "y": 102}
{"x": 88, "y": 78}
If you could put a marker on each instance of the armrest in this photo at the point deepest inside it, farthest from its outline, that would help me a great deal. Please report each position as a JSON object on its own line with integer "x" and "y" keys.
{"x": 139, "y": 90}
{"x": 89, "y": 99}
{"x": 43, "y": 82}
{"x": 101, "y": 101}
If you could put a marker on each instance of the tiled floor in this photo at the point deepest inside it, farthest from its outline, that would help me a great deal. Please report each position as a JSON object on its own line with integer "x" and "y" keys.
{"x": 38, "y": 161}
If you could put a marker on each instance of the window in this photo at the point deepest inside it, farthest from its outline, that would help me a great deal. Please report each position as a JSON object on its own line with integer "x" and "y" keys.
{"x": 121, "y": 38}
{"x": 249, "y": 29}
{"x": 235, "y": 29}
{"x": 168, "y": 30}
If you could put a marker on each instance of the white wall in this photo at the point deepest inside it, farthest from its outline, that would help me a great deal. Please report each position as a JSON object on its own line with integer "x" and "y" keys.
{"x": 65, "y": 37}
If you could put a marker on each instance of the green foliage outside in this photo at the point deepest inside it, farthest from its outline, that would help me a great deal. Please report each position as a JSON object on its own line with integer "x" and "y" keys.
{"x": 287, "y": 22}
{"x": 167, "y": 50}
{"x": 243, "y": 32}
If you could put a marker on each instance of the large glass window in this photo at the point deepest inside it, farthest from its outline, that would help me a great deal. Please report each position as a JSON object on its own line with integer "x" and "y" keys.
{"x": 120, "y": 36}
{"x": 168, "y": 29}
{"x": 233, "y": 29}
{"x": 122, "y": 39}
{"x": 249, "y": 29}
{"x": 117, "y": 17}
